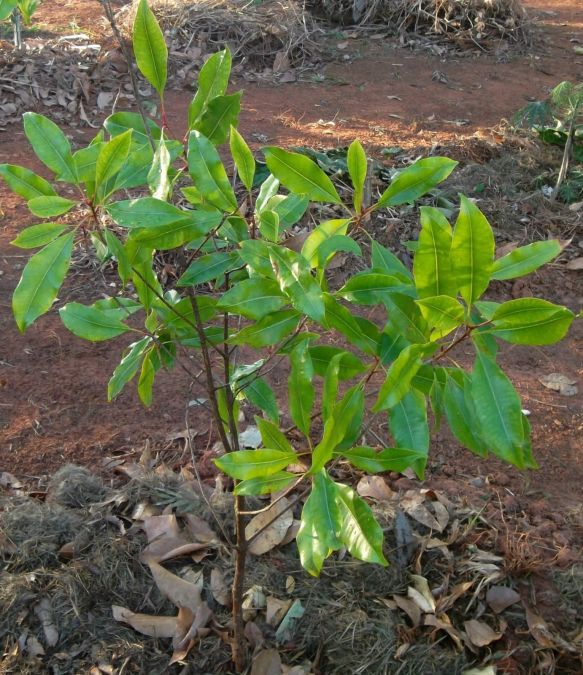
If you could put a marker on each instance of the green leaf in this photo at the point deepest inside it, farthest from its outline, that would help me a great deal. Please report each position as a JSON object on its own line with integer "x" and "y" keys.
{"x": 349, "y": 365}
{"x": 112, "y": 157}
{"x": 269, "y": 225}
{"x": 158, "y": 175}
{"x": 48, "y": 207}
{"x": 498, "y": 409}
{"x": 267, "y": 192}
{"x": 525, "y": 259}
{"x": 472, "y": 252}
{"x": 301, "y": 175}
{"x": 272, "y": 437}
{"x": 150, "y": 48}
{"x": 414, "y": 181}
{"x": 41, "y": 280}
{"x": 408, "y": 422}
{"x": 357, "y": 166}
{"x": 208, "y": 268}
{"x": 442, "y": 313}
{"x": 432, "y": 265}
{"x": 212, "y": 82}
{"x": 461, "y": 416}
{"x": 341, "y": 319}
{"x": 243, "y": 158}
{"x": 346, "y": 415}
{"x": 155, "y": 212}
{"x": 388, "y": 459}
{"x": 146, "y": 381}
{"x": 246, "y": 464}
{"x": 90, "y": 323}
{"x": 25, "y": 183}
{"x": 146, "y": 282}
{"x": 290, "y": 209}
{"x": 319, "y": 235}
{"x": 399, "y": 376}
{"x": 117, "y": 249}
{"x": 330, "y": 247}
{"x": 261, "y": 486}
{"x": 120, "y": 122}
{"x": 50, "y": 145}
{"x": 359, "y": 531}
{"x": 221, "y": 114}
{"x": 295, "y": 280}
{"x": 253, "y": 298}
{"x": 269, "y": 330}
{"x": 530, "y": 321}
{"x": 39, "y": 235}
{"x": 330, "y": 389}
{"x": 260, "y": 394}
{"x": 256, "y": 255}
{"x": 208, "y": 173}
{"x": 6, "y": 8}
{"x": 117, "y": 306}
{"x": 405, "y": 318}
{"x": 85, "y": 163}
{"x": 301, "y": 392}
{"x": 128, "y": 367}
{"x": 172, "y": 235}
{"x": 387, "y": 262}
{"x": 370, "y": 288}
{"x": 320, "y": 521}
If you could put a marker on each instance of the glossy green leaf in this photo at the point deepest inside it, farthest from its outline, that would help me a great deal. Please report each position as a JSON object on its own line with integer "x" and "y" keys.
{"x": 341, "y": 319}
{"x": 220, "y": 115}
{"x": 253, "y": 298}
{"x": 172, "y": 235}
{"x": 432, "y": 265}
{"x": 301, "y": 175}
{"x": 135, "y": 213}
{"x": 212, "y": 82}
{"x": 86, "y": 162}
{"x": 531, "y": 321}
{"x": 128, "y": 367}
{"x": 243, "y": 158}
{"x": 335, "y": 244}
{"x": 330, "y": 388}
{"x": 442, "y": 313}
{"x": 269, "y": 225}
{"x": 461, "y": 416}
{"x": 525, "y": 259}
{"x": 116, "y": 249}
{"x": 208, "y": 173}
{"x": 417, "y": 179}
{"x": 261, "y": 486}
{"x": 399, "y": 376}
{"x": 290, "y": 209}
{"x": 387, "y": 262}
{"x": 319, "y": 235}
{"x": 25, "y": 183}
{"x": 208, "y": 268}
{"x": 146, "y": 381}
{"x": 150, "y": 47}
{"x": 388, "y": 459}
{"x": 146, "y": 282}
{"x": 320, "y": 521}
{"x": 357, "y": 167}
{"x": 41, "y": 280}
{"x": 39, "y": 235}
{"x": 117, "y": 306}
{"x": 256, "y": 255}
{"x": 293, "y": 274}
{"x": 246, "y": 464}
{"x": 48, "y": 207}
{"x": 405, "y": 318}
{"x": 120, "y": 122}
{"x": 408, "y": 422}
{"x": 267, "y": 192}
{"x": 269, "y": 330}
{"x": 90, "y": 323}
{"x": 472, "y": 252}
{"x": 370, "y": 288}
{"x": 260, "y": 394}
{"x": 272, "y": 437}
{"x": 50, "y": 145}
{"x": 349, "y": 366}
{"x": 498, "y": 410}
{"x": 301, "y": 392}
{"x": 112, "y": 157}
{"x": 359, "y": 531}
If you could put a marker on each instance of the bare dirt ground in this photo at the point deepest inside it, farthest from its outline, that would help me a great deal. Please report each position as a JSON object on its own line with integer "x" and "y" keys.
{"x": 53, "y": 407}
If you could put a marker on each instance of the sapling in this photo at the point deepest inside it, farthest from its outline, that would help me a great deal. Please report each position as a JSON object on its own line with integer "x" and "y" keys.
{"x": 238, "y": 285}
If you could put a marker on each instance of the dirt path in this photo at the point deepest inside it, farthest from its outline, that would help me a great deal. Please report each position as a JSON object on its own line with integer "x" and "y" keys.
{"x": 53, "y": 405}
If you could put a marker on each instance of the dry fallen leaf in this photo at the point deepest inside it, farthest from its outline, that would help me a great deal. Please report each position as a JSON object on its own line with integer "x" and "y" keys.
{"x": 286, "y": 628}
{"x": 181, "y": 592}
{"x": 448, "y": 601}
{"x": 200, "y": 530}
{"x": 443, "y": 623}
{"x": 267, "y": 662}
{"x": 291, "y": 534}
{"x": 575, "y": 264}
{"x": 253, "y": 600}
{"x": 253, "y": 634}
{"x": 561, "y": 383}
{"x": 506, "y": 248}
{"x": 501, "y": 597}
{"x": 421, "y": 594}
{"x": 410, "y": 608}
{"x": 479, "y": 633}
{"x": 183, "y": 644}
{"x": 44, "y": 612}
{"x": 154, "y": 626}
{"x": 219, "y": 588}
{"x": 274, "y": 532}
{"x": 374, "y": 487}
{"x": 276, "y": 610}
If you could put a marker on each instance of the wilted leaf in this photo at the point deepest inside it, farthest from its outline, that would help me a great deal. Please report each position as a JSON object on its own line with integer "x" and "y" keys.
{"x": 501, "y": 597}
{"x": 181, "y": 592}
{"x": 374, "y": 487}
{"x": 479, "y": 633}
{"x": 219, "y": 588}
{"x": 267, "y": 662}
{"x": 282, "y": 518}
